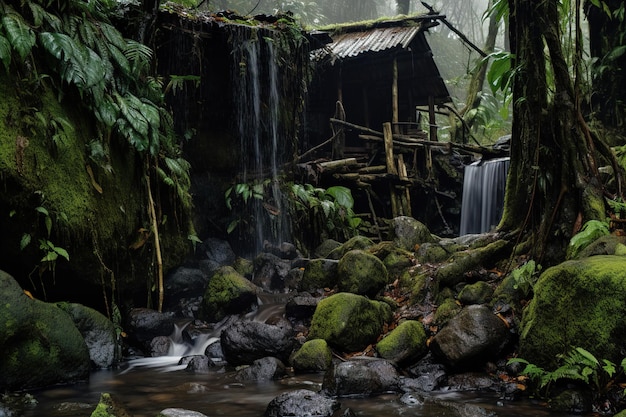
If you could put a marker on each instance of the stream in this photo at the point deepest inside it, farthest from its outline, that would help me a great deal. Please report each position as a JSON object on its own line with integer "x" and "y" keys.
{"x": 146, "y": 386}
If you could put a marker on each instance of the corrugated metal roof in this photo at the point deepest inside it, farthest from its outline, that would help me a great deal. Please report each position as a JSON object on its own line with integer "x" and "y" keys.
{"x": 352, "y": 44}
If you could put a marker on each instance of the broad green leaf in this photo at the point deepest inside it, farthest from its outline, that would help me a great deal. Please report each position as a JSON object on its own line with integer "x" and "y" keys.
{"x": 342, "y": 196}
{"x": 26, "y": 238}
{"x": 5, "y": 52}
{"x": 21, "y": 37}
{"x": 62, "y": 252}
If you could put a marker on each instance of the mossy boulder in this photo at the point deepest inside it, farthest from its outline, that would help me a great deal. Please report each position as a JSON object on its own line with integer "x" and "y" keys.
{"x": 432, "y": 253}
{"x": 109, "y": 407}
{"x": 479, "y": 292}
{"x": 313, "y": 356}
{"x": 576, "y": 304}
{"x": 349, "y": 322}
{"x": 98, "y": 332}
{"x": 357, "y": 242}
{"x": 39, "y": 342}
{"x": 605, "y": 245}
{"x": 318, "y": 273}
{"x": 228, "y": 292}
{"x": 448, "y": 309}
{"x": 408, "y": 233}
{"x": 405, "y": 344}
{"x": 360, "y": 272}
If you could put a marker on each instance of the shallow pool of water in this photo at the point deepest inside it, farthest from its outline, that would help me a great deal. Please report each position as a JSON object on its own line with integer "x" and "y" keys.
{"x": 146, "y": 390}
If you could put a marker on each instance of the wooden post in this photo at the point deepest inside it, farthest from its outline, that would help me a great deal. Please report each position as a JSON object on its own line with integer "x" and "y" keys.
{"x": 433, "y": 135}
{"x": 406, "y": 196}
{"x": 394, "y": 97}
{"x": 391, "y": 167}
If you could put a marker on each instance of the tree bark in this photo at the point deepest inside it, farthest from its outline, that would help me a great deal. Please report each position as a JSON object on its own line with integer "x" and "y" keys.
{"x": 552, "y": 179}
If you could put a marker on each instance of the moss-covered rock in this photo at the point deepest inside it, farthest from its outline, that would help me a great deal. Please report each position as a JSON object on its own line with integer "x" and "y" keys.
{"x": 98, "y": 332}
{"x": 445, "y": 311}
{"x": 405, "y": 344}
{"x": 605, "y": 245}
{"x": 228, "y": 292}
{"x": 349, "y": 322}
{"x": 39, "y": 342}
{"x": 109, "y": 407}
{"x": 357, "y": 242}
{"x": 318, "y": 273}
{"x": 408, "y": 233}
{"x": 313, "y": 356}
{"x": 576, "y": 304}
{"x": 432, "y": 253}
{"x": 360, "y": 272}
{"x": 477, "y": 293}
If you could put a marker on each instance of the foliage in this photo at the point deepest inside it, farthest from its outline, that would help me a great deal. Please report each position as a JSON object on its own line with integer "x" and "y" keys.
{"x": 591, "y": 230}
{"x": 327, "y": 213}
{"x": 238, "y": 199}
{"x": 525, "y": 277}
{"x": 577, "y": 365}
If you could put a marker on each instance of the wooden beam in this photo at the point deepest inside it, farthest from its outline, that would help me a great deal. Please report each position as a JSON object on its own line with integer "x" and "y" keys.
{"x": 394, "y": 97}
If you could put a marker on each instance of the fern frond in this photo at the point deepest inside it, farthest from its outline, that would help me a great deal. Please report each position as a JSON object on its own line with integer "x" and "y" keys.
{"x": 138, "y": 54}
{"x": 5, "y": 52}
{"x": 20, "y": 35}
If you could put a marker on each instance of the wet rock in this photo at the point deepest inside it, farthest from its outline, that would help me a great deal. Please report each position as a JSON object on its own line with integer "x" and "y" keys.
{"x": 408, "y": 233}
{"x": 301, "y": 307}
{"x": 325, "y": 248}
{"x": 183, "y": 283}
{"x": 460, "y": 409}
{"x": 349, "y": 322}
{"x": 214, "y": 352}
{"x": 577, "y": 303}
{"x": 470, "y": 338}
{"x": 243, "y": 342}
{"x": 361, "y": 378}
{"x": 433, "y": 253}
{"x": 214, "y": 253}
{"x": 405, "y": 344}
{"x": 302, "y": 403}
{"x": 477, "y": 293}
{"x": 313, "y": 356}
{"x": 427, "y": 375}
{"x": 179, "y": 412}
{"x": 318, "y": 274}
{"x": 160, "y": 346}
{"x": 144, "y": 324}
{"x": 40, "y": 343}
{"x": 200, "y": 364}
{"x": 285, "y": 250}
{"x": 472, "y": 381}
{"x": 446, "y": 311}
{"x": 264, "y": 369}
{"x": 228, "y": 292}
{"x": 362, "y": 273}
{"x": 98, "y": 332}
{"x": 270, "y": 272}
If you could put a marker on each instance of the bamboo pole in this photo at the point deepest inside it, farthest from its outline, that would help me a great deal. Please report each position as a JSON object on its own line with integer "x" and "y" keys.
{"x": 157, "y": 244}
{"x": 391, "y": 166}
{"x": 406, "y": 197}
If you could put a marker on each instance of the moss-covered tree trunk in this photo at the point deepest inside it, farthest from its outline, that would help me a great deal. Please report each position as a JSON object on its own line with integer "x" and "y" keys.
{"x": 552, "y": 184}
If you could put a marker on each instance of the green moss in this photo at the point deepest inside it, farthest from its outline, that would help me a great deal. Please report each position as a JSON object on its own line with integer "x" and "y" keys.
{"x": 404, "y": 344}
{"x": 576, "y": 304}
{"x": 477, "y": 293}
{"x": 108, "y": 407}
{"x": 349, "y": 322}
{"x": 313, "y": 356}
{"x": 318, "y": 273}
{"x": 357, "y": 242}
{"x": 227, "y": 292}
{"x": 445, "y": 311}
{"x": 360, "y": 272}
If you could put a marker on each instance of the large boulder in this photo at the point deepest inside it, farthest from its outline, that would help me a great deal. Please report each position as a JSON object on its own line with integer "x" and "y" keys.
{"x": 243, "y": 342}
{"x": 98, "y": 332}
{"x": 228, "y": 292}
{"x": 214, "y": 253}
{"x": 303, "y": 403}
{"x": 144, "y": 324}
{"x": 360, "y": 272}
{"x": 405, "y": 344}
{"x": 408, "y": 233}
{"x": 349, "y": 322}
{"x": 318, "y": 274}
{"x": 577, "y": 304}
{"x": 271, "y": 271}
{"x": 470, "y": 338}
{"x": 183, "y": 284}
{"x": 39, "y": 342}
{"x": 361, "y": 378}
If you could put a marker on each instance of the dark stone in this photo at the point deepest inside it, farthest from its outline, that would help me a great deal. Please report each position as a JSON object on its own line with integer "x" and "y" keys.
{"x": 197, "y": 363}
{"x": 183, "y": 282}
{"x": 179, "y": 412}
{"x": 361, "y": 378}
{"x": 264, "y": 369}
{"x": 160, "y": 346}
{"x": 145, "y": 324}
{"x": 318, "y": 274}
{"x": 470, "y": 338}
{"x": 214, "y": 253}
{"x": 301, "y": 403}
{"x": 243, "y": 342}
{"x": 285, "y": 250}
{"x": 270, "y": 272}
{"x": 301, "y": 307}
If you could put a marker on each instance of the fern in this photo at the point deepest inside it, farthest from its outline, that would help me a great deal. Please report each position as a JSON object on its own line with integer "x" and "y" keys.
{"x": 5, "y": 52}
{"x": 591, "y": 230}
{"x": 19, "y": 34}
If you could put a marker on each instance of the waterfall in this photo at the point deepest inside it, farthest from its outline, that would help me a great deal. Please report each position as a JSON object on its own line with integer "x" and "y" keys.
{"x": 257, "y": 97}
{"x": 483, "y": 195}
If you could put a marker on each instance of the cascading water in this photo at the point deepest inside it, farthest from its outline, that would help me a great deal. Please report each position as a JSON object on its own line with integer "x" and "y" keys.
{"x": 258, "y": 102}
{"x": 483, "y": 195}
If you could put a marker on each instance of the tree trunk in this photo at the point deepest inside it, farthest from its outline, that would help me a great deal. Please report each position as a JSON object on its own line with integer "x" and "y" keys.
{"x": 552, "y": 183}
